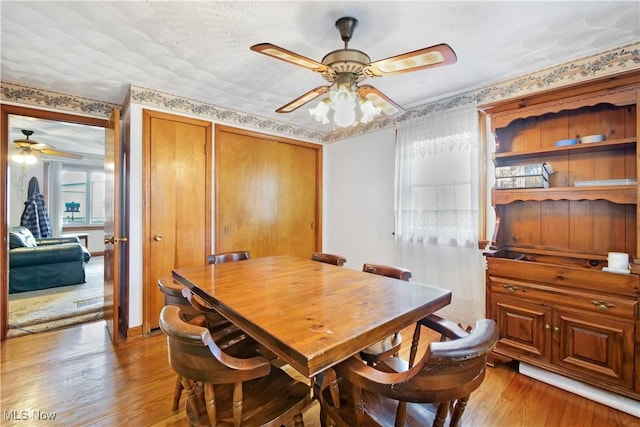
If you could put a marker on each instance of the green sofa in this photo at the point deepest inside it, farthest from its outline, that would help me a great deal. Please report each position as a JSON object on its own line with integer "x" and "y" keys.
{"x": 44, "y": 263}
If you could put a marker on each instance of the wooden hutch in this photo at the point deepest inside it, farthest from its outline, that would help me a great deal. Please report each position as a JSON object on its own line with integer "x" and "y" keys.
{"x": 545, "y": 286}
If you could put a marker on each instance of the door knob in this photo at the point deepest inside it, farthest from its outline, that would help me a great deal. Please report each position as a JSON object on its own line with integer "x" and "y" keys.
{"x": 157, "y": 237}
{"x": 114, "y": 240}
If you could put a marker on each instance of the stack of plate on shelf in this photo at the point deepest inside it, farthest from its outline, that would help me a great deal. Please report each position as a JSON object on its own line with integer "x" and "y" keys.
{"x": 533, "y": 175}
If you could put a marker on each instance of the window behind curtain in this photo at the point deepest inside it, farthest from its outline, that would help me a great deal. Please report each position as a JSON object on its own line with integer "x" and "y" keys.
{"x": 437, "y": 179}
{"x": 82, "y": 196}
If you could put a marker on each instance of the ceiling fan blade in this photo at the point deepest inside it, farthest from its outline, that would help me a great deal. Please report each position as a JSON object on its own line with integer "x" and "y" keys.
{"x": 434, "y": 56}
{"x": 288, "y": 56}
{"x": 379, "y": 99}
{"x": 30, "y": 143}
{"x": 60, "y": 154}
{"x": 303, "y": 99}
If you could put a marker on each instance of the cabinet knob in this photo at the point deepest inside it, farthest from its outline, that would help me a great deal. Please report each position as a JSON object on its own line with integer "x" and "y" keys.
{"x": 510, "y": 288}
{"x": 556, "y": 329}
{"x": 547, "y": 326}
{"x": 157, "y": 237}
{"x": 603, "y": 305}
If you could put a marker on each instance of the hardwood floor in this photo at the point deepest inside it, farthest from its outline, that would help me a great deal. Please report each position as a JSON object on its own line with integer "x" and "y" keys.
{"x": 77, "y": 376}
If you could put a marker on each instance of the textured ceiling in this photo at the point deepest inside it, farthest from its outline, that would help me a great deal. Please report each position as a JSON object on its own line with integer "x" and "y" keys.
{"x": 200, "y": 50}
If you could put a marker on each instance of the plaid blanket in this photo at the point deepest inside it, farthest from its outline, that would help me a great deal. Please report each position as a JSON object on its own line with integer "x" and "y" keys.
{"x": 36, "y": 216}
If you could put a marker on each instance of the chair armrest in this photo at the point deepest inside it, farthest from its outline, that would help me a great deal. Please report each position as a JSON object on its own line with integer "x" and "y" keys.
{"x": 186, "y": 292}
{"x": 359, "y": 373}
{"x": 481, "y": 340}
{"x": 171, "y": 323}
{"x": 384, "y": 379}
{"x": 445, "y": 327}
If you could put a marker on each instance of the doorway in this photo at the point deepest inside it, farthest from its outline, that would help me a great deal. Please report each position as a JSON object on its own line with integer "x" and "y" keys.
{"x": 67, "y": 137}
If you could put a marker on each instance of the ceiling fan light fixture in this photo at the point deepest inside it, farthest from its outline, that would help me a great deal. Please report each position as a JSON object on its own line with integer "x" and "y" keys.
{"x": 369, "y": 111}
{"x": 343, "y": 102}
{"x": 25, "y": 158}
{"x": 320, "y": 111}
{"x": 346, "y": 106}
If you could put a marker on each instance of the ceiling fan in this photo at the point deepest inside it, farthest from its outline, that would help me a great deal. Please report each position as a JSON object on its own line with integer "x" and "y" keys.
{"x": 26, "y": 148}
{"x": 345, "y": 68}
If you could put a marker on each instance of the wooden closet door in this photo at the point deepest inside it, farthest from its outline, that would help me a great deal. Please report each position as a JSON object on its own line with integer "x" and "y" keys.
{"x": 247, "y": 189}
{"x": 178, "y": 215}
{"x": 297, "y": 200}
{"x": 267, "y": 192}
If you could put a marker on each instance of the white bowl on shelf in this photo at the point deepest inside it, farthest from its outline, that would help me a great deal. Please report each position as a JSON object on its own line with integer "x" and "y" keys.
{"x": 592, "y": 138}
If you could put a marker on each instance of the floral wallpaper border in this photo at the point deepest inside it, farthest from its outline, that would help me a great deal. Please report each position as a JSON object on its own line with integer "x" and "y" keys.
{"x": 611, "y": 62}
{"x": 156, "y": 98}
{"x": 608, "y": 63}
{"x": 25, "y": 95}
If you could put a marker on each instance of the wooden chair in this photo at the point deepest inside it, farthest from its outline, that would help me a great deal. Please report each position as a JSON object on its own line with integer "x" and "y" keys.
{"x": 224, "y": 389}
{"x": 391, "y": 393}
{"x": 195, "y": 313}
{"x": 226, "y": 333}
{"x": 172, "y": 295}
{"x": 387, "y": 270}
{"x": 228, "y": 257}
{"x": 326, "y": 258}
{"x": 389, "y": 346}
{"x": 338, "y": 260}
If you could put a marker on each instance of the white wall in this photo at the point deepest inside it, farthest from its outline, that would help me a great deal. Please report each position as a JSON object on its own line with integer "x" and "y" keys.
{"x": 358, "y": 219}
{"x": 359, "y": 224}
{"x": 18, "y": 185}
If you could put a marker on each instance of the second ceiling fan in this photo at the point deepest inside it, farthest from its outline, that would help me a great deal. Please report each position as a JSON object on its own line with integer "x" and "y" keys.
{"x": 26, "y": 148}
{"x": 345, "y": 68}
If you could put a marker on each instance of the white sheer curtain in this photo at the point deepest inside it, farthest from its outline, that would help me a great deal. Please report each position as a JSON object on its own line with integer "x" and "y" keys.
{"x": 437, "y": 179}
{"x": 437, "y": 193}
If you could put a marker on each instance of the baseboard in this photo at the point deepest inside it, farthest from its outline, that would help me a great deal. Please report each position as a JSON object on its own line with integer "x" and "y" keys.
{"x": 612, "y": 400}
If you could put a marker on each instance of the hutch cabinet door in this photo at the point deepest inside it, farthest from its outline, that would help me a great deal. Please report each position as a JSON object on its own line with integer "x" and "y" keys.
{"x": 524, "y": 327}
{"x": 599, "y": 347}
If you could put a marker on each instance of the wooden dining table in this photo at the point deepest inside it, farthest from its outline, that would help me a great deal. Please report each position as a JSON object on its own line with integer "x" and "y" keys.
{"x": 312, "y": 315}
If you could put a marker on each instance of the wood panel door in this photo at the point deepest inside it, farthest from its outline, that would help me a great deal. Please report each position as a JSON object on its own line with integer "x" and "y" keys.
{"x": 177, "y": 220}
{"x": 523, "y": 326}
{"x": 268, "y": 193}
{"x": 597, "y": 346}
{"x": 112, "y": 224}
{"x": 297, "y": 203}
